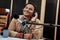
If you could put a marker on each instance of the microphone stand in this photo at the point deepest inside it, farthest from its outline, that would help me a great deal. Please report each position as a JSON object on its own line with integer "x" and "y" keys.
{"x": 45, "y": 24}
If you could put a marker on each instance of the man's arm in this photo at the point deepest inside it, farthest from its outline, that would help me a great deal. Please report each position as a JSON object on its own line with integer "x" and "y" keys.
{"x": 12, "y": 27}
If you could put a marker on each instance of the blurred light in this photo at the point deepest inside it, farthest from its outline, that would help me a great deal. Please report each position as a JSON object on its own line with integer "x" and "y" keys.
{"x": 7, "y": 10}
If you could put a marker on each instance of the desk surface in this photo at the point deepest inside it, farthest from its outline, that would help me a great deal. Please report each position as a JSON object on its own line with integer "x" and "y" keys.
{"x": 17, "y": 39}
{"x": 10, "y": 38}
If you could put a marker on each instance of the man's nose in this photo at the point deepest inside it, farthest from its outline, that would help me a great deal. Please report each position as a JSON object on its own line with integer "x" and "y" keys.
{"x": 27, "y": 10}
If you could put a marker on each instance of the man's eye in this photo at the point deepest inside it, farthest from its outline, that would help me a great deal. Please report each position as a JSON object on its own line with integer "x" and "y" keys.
{"x": 30, "y": 9}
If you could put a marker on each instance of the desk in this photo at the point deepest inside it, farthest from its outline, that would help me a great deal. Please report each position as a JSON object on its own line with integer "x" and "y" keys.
{"x": 10, "y": 38}
{"x": 17, "y": 39}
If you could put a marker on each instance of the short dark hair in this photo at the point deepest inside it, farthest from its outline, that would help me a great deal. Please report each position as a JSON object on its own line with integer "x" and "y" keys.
{"x": 31, "y": 4}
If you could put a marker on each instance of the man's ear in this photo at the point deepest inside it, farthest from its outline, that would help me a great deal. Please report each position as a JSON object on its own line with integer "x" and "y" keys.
{"x": 34, "y": 13}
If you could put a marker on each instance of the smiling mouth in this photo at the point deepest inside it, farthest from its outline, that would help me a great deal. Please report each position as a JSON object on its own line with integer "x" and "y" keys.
{"x": 27, "y": 12}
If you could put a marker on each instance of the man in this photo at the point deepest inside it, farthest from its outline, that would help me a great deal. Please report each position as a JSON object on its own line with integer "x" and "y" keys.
{"x": 16, "y": 26}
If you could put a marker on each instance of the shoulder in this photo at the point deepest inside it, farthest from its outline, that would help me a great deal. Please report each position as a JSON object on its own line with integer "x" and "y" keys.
{"x": 14, "y": 20}
{"x": 38, "y": 21}
{"x": 21, "y": 16}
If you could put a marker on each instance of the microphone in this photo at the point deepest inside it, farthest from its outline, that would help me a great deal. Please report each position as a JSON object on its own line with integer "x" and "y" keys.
{"x": 24, "y": 22}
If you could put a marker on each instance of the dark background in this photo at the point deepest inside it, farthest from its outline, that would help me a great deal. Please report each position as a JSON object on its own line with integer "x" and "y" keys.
{"x": 5, "y": 4}
{"x": 18, "y": 6}
{"x": 50, "y": 18}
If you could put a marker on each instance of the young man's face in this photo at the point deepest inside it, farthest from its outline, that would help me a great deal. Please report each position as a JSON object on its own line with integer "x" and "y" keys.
{"x": 28, "y": 10}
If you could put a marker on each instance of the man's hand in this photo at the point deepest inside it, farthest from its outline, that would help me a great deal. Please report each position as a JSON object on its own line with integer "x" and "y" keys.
{"x": 27, "y": 36}
{"x": 19, "y": 35}
{"x": 35, "y": 17}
